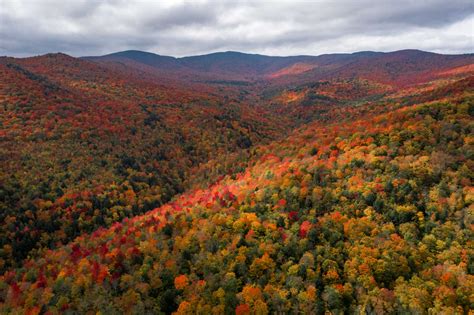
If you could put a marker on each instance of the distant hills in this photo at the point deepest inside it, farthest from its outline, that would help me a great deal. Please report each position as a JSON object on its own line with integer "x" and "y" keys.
{"x": 393, "y": 67}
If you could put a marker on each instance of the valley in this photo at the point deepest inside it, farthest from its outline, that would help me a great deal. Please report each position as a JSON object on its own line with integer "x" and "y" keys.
{"x": 237, "y": 183}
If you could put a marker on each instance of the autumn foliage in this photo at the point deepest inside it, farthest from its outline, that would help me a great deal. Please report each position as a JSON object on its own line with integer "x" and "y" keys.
{"x": 365, "y": 209}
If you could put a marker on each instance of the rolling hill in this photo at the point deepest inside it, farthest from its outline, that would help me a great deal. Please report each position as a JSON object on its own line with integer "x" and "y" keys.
{"x": 72, "y": 130}
{"x": 237, "y": 183}
{"x": 399, "y": 67}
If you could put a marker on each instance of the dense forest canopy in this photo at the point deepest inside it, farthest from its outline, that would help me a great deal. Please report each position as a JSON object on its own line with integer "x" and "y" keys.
{"x": 233, "y": 183}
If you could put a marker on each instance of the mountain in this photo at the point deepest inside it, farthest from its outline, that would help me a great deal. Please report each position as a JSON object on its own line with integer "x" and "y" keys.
{"x": 223, "y": 64}
{"x": 147, "y": 58}
{"x": 403, "y": 67}
{"x": 72, "y": 131}
{"x": 249, "y": 65}
{"x": 236, "y": 183}
{"x": 399, "y": 67}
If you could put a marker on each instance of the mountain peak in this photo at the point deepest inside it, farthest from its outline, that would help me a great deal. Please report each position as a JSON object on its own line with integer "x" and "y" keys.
{"x": 136, "y": 53}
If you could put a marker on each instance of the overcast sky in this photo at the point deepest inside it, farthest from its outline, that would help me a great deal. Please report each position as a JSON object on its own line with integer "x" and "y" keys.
{"x": 182, "y": 28}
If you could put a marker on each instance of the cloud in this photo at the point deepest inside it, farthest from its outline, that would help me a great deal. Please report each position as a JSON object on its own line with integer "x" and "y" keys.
{"x": 179, "y": 28}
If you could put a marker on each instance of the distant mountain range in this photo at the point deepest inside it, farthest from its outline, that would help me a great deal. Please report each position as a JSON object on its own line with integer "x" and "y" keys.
{"x": 399, "y": 67}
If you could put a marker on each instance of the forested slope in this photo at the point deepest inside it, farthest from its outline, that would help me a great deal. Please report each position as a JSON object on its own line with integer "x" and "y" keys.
{"x": 371, "y": 212}
{"x": 83, "y": 146}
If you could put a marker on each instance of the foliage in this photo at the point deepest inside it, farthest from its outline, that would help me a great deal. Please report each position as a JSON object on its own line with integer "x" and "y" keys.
{"x": 378, "y": 221}
{"x": 367, "y": 209}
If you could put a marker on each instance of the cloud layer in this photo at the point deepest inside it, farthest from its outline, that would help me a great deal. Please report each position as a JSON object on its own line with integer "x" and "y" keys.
{"x": 180, "y": 28}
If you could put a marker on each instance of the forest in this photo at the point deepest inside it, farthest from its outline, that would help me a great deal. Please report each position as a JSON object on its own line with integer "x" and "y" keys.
{"x": 236, "y": 184}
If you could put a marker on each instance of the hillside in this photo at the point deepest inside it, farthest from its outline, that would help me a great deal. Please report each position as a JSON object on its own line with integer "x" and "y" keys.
{"x": 237, "y": 183}
{"x": 369, "y": 212}
{"x": 236, "y": 65}
{"x": 76, "y": 136}
{"x": 403, "y": 67}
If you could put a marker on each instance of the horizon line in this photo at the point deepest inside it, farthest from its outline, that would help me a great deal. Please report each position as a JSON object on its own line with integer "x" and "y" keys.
{"x": 235, "y": 51}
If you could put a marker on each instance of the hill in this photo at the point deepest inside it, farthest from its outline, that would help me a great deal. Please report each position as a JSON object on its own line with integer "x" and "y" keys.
{"x": 236, "y": 183}
{"x": 147, "y": 58}
{"x": 400, "y": 67}
{"x": 76, "y": 135}
{"x": 369, "y": 212}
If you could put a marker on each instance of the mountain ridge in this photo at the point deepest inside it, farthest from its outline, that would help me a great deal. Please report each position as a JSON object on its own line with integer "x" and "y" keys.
{"x": 254, "y": 67}
{"x": 414, "y": 50}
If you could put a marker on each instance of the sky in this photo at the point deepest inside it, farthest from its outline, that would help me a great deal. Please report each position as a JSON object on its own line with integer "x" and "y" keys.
{"x": 184, "y": 28}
